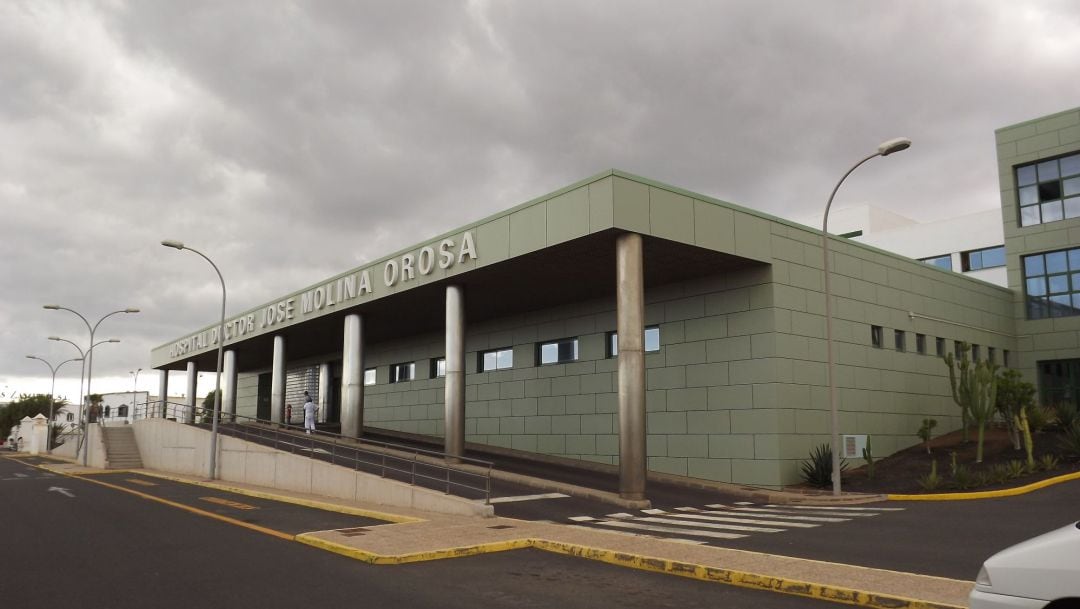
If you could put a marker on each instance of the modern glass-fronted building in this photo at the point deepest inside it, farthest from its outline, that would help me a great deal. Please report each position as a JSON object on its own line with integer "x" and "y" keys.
{"x": 628, "y": 322}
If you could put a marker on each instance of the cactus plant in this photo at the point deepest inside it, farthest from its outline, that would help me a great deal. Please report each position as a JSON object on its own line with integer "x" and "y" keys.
{"x": 974, "y": 389}
{"x": 1020, "y": 422}
{"x": 926, "y": 432}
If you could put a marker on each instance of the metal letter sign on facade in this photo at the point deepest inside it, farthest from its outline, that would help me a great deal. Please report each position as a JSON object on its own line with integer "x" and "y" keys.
{"x": 345, "y": 290}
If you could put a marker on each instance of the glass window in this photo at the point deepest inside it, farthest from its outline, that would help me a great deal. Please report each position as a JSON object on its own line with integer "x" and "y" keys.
{"x": 991, "y": 355}
{"x": 1005, "y": 357}
{"x": 939, "y": 346}
{"x": 496, "y": 359}
{"x": 875, "y": 336}
{"x": 900, "y": 339}
{"x": 121, "y": 411}
{"x": 958, "y": 352}
{"x": 652, "y": 341}
{"x": 1025, "y": 175}
{"x": 438, "y": 367}
{"x": 920, "y": 343}
{"x": 976, "y": 353}
{"x": 1070, "y": 165}
{"x": 400, "y": 373}
{"x": 70, "y": 416}
{"x": 369, "y": 376}
{"x": 1048, "y": 191}
{"x": 1052, "y": 284}
{"x": 942, "y": 262}
{"x": 559, "y": 351}
{"x": 986, "y": 258}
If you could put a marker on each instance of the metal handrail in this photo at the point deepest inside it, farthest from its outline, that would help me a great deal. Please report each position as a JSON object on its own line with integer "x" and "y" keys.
{"x": 376, "y": 454}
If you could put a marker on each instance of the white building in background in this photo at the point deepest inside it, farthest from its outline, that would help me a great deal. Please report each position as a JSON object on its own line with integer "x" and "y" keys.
{"x": 972, "y": 244}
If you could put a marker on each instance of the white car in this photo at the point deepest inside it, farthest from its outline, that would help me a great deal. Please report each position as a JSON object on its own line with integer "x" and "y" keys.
{"x": 1042, "y": 572}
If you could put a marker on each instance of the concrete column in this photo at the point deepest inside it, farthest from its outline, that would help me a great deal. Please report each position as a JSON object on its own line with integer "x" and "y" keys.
{"x": 163, "y": 394}
{"x": 192, "y": 391}
{"x": 352, "y": 377}
{"x": 277, "y": 382}
{"x": 324, "y": 392}
{"x": 228, "y": 390}
{"x": 630, "y": 302}
{"x": 454, "y": 433}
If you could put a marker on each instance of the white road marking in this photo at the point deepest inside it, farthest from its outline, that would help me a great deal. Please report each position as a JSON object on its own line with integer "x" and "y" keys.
{"x": 776, "y": 515}
{"x": 527, "y": 498}
{"x": 843, "y": 509}
{"x": 63, "y": 491}
{"x": 18, "y": 475}
{"x": 794, "y": 525}
{"x": 582, "y": 519}
{"x": 687, "y": 509}
{"x": 620, "y": 515}
{"x": 741, "y": 503}
{"x": 622, "y": 524}
{"x": 826, "y": 514}
{"x": 708, "y": 525}
{"x": 654, "y": 512}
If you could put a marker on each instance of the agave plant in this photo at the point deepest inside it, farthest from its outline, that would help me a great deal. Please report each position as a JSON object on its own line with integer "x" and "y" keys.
{"x": 817, "y": 471}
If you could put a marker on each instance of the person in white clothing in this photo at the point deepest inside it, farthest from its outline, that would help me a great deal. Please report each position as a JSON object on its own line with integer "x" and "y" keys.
{"x": 309, "y": 413}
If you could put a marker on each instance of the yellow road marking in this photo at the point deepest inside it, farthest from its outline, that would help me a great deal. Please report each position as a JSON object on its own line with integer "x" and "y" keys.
{"x": 228, "y": 503}
{"x": 142, "y": 482}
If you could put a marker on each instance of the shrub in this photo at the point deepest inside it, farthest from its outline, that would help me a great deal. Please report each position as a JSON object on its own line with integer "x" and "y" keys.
{"x": 1066, "y": 415}
{"x": 817, "y": 471}
{"x": 1048, "y": 462}
{"x": 999, "y": 474}
{"x": 1070, "y": 441}
{"x": 963, "y": 479}
{"x": 1016, "y": 468}
{"x": 932, "y": 480}
{"x": 926, "y": 432}
{"x": 1040, "y": 417}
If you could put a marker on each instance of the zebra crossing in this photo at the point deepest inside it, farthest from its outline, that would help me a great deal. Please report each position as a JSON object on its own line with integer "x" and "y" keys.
{"x": 717, "y": 521}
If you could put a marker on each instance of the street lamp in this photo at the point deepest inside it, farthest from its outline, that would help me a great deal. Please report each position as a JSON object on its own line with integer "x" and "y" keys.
{"x": 179, "y": 245}
{"x": 89, "y": 352}
{"x": 134, "y": 391}
{"x": 52, "y": 394}
{"x": 885, "y": 149}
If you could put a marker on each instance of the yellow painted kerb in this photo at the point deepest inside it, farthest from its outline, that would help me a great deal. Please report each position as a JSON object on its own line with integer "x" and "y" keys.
{"x": 1007, "y": 492}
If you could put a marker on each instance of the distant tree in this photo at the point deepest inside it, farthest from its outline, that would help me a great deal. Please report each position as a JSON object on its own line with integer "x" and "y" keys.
{"x": 208, "y": 407}
{"x": 1014, "y": 395}
{"x": 95, "y": 400}
{"x": 25, "y": 406}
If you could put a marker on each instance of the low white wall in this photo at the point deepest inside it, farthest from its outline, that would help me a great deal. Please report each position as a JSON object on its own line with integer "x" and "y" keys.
{"x": 174, "y": 447}
{"x": 67, "y": 449}
{"x": 96, "y": 443}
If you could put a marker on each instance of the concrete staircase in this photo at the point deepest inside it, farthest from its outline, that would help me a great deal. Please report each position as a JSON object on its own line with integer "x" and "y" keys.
{"x": 121, "y": 451}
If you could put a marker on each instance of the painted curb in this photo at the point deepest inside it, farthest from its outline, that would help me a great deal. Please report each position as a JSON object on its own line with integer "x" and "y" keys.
{"x": 1006, "y": 492}
{"x": 731, "y": 577}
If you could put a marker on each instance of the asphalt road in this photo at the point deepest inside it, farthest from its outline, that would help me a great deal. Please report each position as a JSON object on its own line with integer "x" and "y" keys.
{"x": 71, "y": 542}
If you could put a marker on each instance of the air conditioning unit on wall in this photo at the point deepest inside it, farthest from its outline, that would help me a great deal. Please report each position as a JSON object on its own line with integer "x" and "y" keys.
{"x": 851, "y": 446}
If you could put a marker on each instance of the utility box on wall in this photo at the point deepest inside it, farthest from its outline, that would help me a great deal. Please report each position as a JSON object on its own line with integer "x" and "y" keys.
{"x": 853, "y": 446}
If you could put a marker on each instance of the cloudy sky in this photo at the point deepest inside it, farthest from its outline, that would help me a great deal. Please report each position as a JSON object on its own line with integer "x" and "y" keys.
{"x": 294, "y": 140}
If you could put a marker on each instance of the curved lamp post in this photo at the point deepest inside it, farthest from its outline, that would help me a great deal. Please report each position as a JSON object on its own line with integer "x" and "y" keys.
{"x": 179, "y": 245}
{"x": 82, "y": 377}
{"x": 52, "y": 394}
{"x": 89, "y": 352}
{"x": 134, "y": 390}
{"x": 885, "y": 149}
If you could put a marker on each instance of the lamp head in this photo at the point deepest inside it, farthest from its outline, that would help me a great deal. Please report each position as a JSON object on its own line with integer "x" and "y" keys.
{"x": 51, "y": 307}
{"x": 112, "y": 340}
{"x": 31, "y": 357}
{"x": 130, "y": 310}
{"x": 173, "y": 243}
{"x": 54, "y": 338}
{"x": 896, "y": 145}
